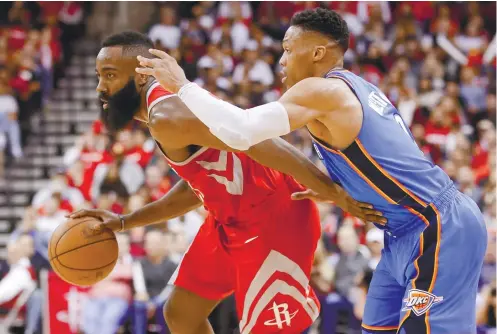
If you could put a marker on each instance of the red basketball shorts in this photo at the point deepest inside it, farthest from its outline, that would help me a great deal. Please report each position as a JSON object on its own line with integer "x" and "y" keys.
{"x": 265, "y": 262}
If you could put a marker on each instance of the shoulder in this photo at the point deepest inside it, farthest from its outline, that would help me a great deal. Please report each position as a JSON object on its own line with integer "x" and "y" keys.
{"x": 322, "y": 86}
{"x": 160, "y": 105}
{"x": 155, "y": 94}
{"x": 167, "y": 123}
{"x": 161, "y": 122}
{"x": 326, "y": 93}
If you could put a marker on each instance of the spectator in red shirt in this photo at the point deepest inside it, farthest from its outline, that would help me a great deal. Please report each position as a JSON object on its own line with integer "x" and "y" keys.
{"x": 71, "y": 197}
{"x": 142, "y": 148}
{"x": 438, "y": 127}
{"x": 430, "y": 151}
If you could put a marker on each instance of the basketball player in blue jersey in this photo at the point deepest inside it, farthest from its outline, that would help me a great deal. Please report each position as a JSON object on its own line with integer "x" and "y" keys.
{"x": 435, "y": 238}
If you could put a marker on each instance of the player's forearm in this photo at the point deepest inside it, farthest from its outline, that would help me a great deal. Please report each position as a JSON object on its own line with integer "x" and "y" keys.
{"x": 284, "y": 157}
{"x": 178, "y": 201}
{"x": 236, "y": 127}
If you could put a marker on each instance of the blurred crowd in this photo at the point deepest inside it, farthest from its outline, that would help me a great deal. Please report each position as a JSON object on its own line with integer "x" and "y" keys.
{"x": 35, "y": 47}
{"x": 430, "y": 59}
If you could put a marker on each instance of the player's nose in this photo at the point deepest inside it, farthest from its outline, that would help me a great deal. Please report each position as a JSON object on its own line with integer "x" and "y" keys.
{"x": 283, "y": 60}
{"x": 101, "y": 88}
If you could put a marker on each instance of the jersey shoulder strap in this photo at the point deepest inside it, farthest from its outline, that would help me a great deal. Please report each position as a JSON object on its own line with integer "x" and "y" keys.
{"x": 155, "y": 94}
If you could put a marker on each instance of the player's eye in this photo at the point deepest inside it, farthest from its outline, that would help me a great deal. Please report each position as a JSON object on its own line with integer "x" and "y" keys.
{"x": 110, "y": 75}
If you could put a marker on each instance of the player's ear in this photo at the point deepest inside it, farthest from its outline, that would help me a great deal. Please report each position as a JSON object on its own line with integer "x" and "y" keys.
{"x": 319, "y": 52}
{"x": 141, "y": 79}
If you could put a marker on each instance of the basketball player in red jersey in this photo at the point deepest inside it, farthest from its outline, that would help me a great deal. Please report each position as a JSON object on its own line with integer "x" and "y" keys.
{"x": 256, "y": 241}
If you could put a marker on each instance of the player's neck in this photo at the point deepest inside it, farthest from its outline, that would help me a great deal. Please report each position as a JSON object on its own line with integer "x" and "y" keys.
{"x": 323, "y": 69}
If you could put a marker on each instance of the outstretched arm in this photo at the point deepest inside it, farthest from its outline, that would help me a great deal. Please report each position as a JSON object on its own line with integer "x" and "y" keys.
{"x": 242, "y": 129}
{"x": 280, "y": 155}
{"x": 308, "y": 100}
{"x": 171, "y": 118}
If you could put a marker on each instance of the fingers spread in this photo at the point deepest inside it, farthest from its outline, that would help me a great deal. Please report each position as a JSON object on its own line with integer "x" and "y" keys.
{"x": 365, "y": 205}
{"x": 302, "y": 194}
{"x": 372, "y": 212}
{"x": 146, "y": 62}
{"x": 145, "y": 70}
{"x": 376, "y": 219}
{"x": 298, "y": 196}
{"x": 77, "y": 214}
{"x": 159, "y": 53}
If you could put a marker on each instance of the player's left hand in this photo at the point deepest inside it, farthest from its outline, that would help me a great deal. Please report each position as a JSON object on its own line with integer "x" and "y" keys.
{"x": 164, "y": 69}
{"x": 364, "y": 211}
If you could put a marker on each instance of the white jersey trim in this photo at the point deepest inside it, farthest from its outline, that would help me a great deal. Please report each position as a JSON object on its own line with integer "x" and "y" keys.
{"x": 187, "y": 161}
{"x": 155, "y": 84}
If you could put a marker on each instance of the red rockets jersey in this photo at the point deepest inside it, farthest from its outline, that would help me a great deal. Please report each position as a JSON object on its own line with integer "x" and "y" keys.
{"x": 233, "y": 187}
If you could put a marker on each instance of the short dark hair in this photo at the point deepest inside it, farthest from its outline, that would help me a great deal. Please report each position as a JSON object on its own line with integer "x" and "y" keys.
{"x": 324, "y": 21}
{"x": 129, "y": 40}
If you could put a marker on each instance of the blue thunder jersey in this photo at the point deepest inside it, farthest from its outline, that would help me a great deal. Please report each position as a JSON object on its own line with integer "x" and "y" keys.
{"x": 384, "y": 166}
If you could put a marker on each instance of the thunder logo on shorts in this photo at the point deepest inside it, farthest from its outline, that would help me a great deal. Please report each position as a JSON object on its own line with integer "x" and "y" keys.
{"x": 420, "y": 301}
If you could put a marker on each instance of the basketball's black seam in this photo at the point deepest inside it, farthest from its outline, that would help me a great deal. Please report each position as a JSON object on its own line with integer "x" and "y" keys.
{"x": 55, "y": 248}
{"x": 81, "y": 222}
{"x": 108, "y": 264}
{"x": 54, "y": 266}
{"x": 82, "y": 246}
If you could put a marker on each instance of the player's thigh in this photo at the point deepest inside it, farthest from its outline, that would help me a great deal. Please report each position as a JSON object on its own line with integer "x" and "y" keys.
{"x": 205, "y": 269}
{"x": 204, "y": 276}
{"x": 441, "y": 295}
{"x": 186, "y": 308}
{"x": 383, "y": 302}
{"x": 273, "y": 293}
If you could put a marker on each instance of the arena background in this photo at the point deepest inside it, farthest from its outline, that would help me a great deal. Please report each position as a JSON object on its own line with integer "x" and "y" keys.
{"x": 430, "y": 59}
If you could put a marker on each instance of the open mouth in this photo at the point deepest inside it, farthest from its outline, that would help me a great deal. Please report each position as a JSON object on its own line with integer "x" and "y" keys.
{"x": 105, "y": 103}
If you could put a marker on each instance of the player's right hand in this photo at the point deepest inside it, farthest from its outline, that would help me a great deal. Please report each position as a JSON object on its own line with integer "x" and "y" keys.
{"x": 165, "y": 69}
{"x": 363, "y": 211}
{"x": 107, "y": 218}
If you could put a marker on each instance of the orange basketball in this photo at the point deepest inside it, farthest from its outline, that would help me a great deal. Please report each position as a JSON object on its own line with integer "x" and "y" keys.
{"x": 81, "y": 255}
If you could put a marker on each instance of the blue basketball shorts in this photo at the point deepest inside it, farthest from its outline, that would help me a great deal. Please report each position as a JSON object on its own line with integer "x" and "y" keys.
{"x": 427, "y": 280}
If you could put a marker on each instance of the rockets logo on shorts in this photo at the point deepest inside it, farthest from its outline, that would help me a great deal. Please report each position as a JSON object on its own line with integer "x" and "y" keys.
{"x": 420, "y": 301}
{"x": 281, "y": 316}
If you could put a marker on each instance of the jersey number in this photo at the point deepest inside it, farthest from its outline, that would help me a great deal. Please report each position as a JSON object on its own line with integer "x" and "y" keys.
{"x": 234, "y": 187}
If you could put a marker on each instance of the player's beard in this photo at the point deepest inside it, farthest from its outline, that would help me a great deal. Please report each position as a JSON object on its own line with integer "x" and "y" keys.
{"x": 122, "y": 106}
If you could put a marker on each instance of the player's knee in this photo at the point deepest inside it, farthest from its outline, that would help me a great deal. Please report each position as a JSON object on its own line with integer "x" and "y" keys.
{"x": 172, "y": 315}
{"x": 177, "y": 318}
